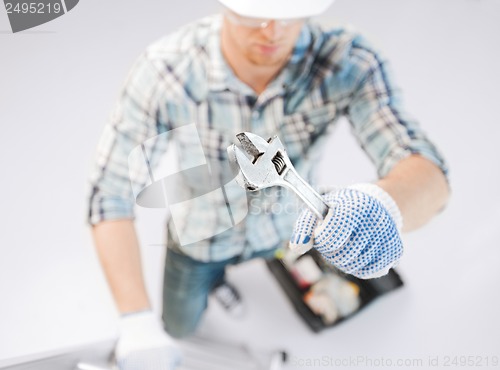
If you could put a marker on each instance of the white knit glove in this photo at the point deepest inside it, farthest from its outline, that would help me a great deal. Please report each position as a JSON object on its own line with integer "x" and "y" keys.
{"x": 144, "y": 345}
{"x": 360, "y": 235}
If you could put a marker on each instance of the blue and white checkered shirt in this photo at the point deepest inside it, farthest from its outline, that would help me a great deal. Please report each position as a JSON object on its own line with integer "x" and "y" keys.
{"x": 181, "y": 95}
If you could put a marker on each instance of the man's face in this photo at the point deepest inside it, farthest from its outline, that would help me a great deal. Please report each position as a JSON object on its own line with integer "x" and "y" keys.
{"x": 261, "y": 42}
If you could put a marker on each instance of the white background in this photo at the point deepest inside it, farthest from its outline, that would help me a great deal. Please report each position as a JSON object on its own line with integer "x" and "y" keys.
{"x": 58, "y": 83}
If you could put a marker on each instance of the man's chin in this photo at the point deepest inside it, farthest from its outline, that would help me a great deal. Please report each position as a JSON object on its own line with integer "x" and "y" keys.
{"x": 268, "y": 61}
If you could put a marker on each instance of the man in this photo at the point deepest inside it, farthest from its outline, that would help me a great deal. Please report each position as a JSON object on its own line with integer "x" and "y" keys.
{"x": 262, "y": 67}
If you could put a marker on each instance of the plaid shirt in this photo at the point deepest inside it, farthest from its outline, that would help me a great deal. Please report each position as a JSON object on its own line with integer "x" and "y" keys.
{"x": 181, "y": 95}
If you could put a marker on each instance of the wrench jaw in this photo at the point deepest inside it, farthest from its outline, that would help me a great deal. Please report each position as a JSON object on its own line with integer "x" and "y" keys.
{"x": 267, "y": 165}
{"x": 252, "y": 144}
{"x": 238, "y": 161}
{"x": 279, "y": 157}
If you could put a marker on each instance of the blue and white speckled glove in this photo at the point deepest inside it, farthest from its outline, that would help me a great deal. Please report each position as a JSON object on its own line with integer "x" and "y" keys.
{"x": 144, "y": 345}
{"x": 360, "y": 235}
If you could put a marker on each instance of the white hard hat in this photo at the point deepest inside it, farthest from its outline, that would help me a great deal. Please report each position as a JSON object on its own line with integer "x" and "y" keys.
{"x": 277, "y": 9}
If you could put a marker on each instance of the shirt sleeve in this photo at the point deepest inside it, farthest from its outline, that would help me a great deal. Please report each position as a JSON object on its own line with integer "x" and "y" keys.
{"x": 129, "y": 144}
{"x": 377, "y": 116}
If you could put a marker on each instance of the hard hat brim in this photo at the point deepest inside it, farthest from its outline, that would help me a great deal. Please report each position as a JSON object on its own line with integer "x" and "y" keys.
{"x": 277, "y": 9}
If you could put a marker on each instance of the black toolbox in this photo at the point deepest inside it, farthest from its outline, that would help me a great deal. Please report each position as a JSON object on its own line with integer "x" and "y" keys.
{"x": 367, "y": 290}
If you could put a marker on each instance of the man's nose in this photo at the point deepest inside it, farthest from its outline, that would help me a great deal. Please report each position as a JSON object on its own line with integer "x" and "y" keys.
{"x": 274, "y": 30}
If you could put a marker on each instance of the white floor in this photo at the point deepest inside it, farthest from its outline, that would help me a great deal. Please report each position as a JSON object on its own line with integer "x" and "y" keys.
{"x": 58, "y": 83}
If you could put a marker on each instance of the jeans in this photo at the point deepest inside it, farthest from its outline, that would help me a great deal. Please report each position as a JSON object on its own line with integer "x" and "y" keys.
{"x": 186, "y": 286}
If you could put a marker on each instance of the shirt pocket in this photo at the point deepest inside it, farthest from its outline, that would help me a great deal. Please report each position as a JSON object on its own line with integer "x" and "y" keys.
{"x": 300, "y": 130}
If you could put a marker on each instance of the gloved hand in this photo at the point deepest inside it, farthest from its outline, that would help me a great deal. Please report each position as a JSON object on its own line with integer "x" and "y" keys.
{"x": 360, "y": 235}
{"x": 144, "y": 345}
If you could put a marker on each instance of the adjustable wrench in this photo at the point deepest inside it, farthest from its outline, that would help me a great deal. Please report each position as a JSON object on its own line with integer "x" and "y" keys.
{"x": 270, "y": 166}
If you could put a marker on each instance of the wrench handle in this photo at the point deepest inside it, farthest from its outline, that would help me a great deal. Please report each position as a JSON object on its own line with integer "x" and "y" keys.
{"x": 305, "y": 192}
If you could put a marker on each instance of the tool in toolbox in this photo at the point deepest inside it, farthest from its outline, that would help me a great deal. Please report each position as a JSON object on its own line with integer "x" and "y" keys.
{"x": 271, "y": 166}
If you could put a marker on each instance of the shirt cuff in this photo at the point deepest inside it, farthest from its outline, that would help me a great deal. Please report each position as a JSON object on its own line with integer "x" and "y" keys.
{"x": 109, "y": 209}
